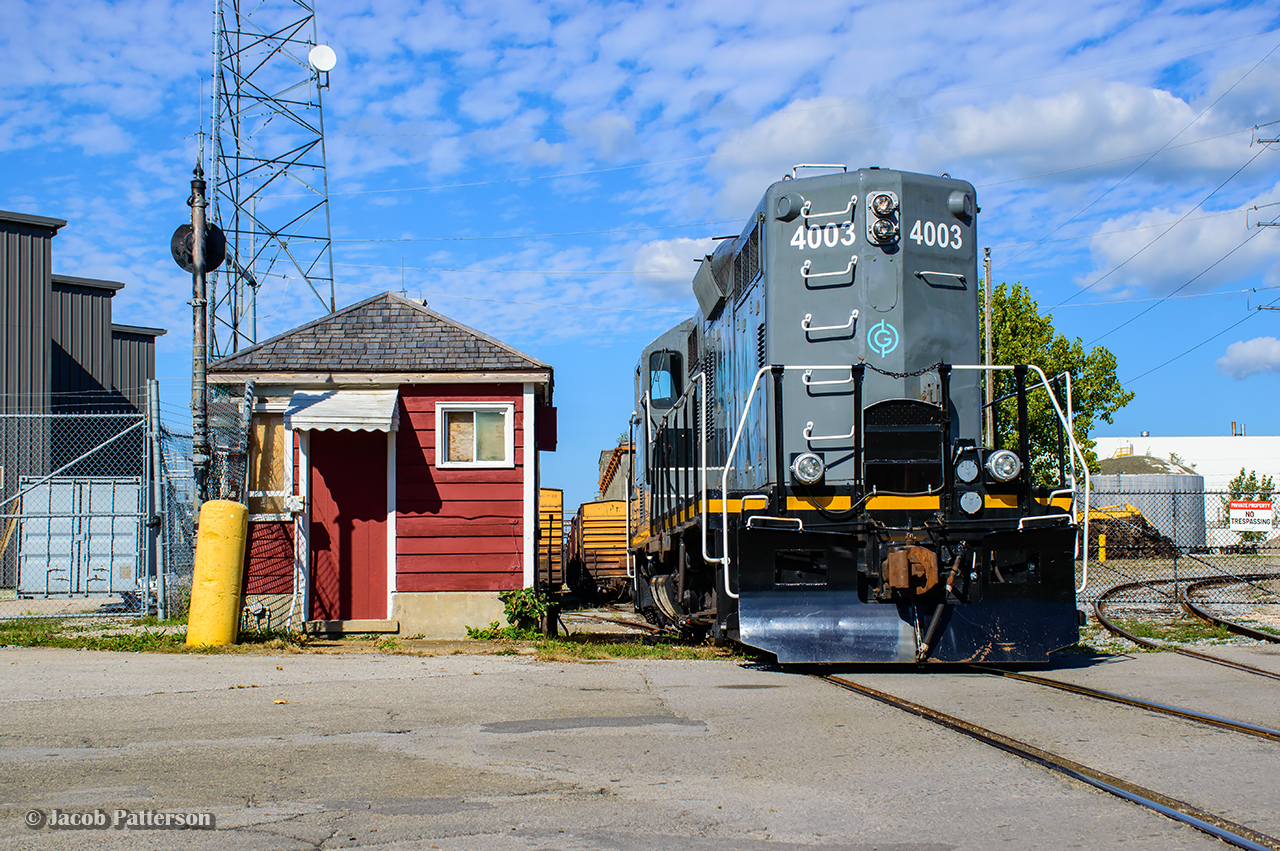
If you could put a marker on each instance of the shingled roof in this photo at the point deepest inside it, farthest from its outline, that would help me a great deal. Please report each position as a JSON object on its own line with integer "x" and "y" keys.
{"x": 382, "y": 334}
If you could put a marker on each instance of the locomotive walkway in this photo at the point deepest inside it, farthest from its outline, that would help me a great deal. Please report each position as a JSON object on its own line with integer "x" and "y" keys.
{"x": 506, "y": 752}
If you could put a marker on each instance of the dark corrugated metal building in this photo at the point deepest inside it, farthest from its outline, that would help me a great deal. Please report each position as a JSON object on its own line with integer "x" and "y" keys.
{"x": 26, "y": 286}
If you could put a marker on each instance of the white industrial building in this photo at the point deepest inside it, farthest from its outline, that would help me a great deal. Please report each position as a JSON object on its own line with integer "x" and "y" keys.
{"x": 1218, "y": 459}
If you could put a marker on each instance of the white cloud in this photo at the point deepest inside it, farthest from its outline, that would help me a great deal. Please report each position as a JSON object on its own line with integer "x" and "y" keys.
{"x": 1250, "y": 357}
{"x": 1187, "y": 250}
{"x": 815, "y": 130}
{"x": 675, "y": 261}
{"x": 1090, "y": 123}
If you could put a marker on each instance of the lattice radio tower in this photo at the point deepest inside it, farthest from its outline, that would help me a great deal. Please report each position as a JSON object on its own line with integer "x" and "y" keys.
{"x": 270, "y": 189}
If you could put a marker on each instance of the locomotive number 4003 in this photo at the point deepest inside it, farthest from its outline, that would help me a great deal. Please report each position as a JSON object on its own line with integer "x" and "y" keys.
{"x": 817, "y": 236}
{"x": 941, "y": 235}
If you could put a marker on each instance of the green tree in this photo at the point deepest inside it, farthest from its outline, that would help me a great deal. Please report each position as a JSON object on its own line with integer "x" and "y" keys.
{"x": 1249, "y": 487}
{"x": 1020, "y": 334}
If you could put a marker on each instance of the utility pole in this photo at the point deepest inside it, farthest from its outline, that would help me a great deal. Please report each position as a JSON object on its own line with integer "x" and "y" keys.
{"x": 199, "y": 347}
{"x": 986, "y": 325}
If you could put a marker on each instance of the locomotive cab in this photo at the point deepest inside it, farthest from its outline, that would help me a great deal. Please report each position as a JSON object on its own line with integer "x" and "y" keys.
{"x": 816, "y": 481}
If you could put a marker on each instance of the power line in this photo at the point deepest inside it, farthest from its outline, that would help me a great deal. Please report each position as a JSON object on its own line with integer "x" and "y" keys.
{"x": 1125, "y": 262}
{"x": 1217, "y": 215}
{"x": 1168, "y": 298}
{"x": 536, "y": 235}
{"x": 1109, "y": 162}
{"x": 514, "y": 271}
{"x": 1247, "y": 317}
{"x": 1136, "y": 168}
{"x": 1161, "y": 301}
{"x": 541, "y": 303}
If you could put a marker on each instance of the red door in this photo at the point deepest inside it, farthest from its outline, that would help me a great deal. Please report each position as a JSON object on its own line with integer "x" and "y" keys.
{"x": 348, "y": 525}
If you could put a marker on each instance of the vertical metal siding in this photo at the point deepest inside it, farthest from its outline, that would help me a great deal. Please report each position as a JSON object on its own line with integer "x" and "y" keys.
{"x": 133, "y": 363}
{"x": 81, "y": 344}
{"x": 26, "y": 258}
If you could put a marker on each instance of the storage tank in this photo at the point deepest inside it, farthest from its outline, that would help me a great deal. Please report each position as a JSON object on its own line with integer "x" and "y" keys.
{"x": 1169, "y": 494}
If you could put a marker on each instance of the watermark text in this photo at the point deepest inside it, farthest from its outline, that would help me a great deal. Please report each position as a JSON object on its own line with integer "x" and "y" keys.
{"x": 99, "y": 819}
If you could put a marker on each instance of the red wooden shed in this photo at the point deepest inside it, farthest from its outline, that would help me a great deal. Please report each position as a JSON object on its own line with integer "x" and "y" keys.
{"x": 393, "y": 470}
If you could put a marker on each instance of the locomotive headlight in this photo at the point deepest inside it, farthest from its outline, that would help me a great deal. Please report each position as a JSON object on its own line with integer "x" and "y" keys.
{"x": 884, "y": 230}
{"x": 808, "y": 468}
{"x": 1004, "y": 465}
{"x": 883, "y": 204}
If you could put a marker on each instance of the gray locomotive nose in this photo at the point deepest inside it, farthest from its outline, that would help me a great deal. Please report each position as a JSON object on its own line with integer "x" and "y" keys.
{"x": 810, "y": 472}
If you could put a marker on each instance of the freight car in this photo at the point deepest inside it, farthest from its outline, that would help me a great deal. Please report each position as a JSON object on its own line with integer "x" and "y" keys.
{"x": 596, "y": 551}
{"x": 550, "y": 539}
{"x": 811, "y": 477}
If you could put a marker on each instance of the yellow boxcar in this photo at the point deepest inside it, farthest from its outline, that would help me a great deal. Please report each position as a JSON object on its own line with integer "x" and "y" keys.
{"x": 551, "y": 538}
{"x": 597, "y": 551}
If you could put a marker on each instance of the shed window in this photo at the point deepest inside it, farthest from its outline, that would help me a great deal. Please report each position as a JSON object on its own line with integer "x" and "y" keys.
{"x": 475, "y": 435}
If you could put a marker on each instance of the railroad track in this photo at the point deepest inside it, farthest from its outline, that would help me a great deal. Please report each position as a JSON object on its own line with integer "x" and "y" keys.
{"x": 1215, "y": 825}
{"x": 1185, "y": 594}
{"x": 1115, "y": 629}
{"x": 1137, "y": 702}
{"x": 642, "y": 627}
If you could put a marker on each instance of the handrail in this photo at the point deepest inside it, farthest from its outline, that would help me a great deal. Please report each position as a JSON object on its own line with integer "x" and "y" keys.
{"x": 848, "y": 326}
{"x": 809, "y": 372}
{"x": 1075, "y": 448}
{"x": 847, "y": 270}
{"x": 742, "y": 422}
{"x": 844, "y": 168}
{"x": 804, "y": 209}
{"x": 923, "y": 272}
{"x": 728, "y": 464}
{"x": 811, "y": 437}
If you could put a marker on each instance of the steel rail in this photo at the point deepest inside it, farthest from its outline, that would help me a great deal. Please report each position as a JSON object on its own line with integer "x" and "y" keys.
{"x": 1160, "y": 645}
{"x": 1184, "y": 597}
{"x": 1228, "y": 831}
{"x": 640, "y": 626}
{"x": 1139, "y": 703}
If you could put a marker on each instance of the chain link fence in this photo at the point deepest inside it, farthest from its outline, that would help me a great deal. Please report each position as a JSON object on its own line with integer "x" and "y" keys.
{"x": 178, "y": 519}
{"x": 97, "y": 510}
{"x": 1161, "y": 542}
{"x": 75, "y": 505}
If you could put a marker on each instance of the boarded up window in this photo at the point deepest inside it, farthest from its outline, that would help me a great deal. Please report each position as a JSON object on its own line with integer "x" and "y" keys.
{"x": 270, "y": 479}
{"x": 461, "y": 430}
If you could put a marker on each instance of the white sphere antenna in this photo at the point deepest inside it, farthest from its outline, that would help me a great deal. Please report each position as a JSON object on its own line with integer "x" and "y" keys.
{"x": 322, "y": 58}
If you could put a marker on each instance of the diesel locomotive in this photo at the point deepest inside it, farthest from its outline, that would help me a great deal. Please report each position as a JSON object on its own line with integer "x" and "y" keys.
{"x": 811, "y": 475}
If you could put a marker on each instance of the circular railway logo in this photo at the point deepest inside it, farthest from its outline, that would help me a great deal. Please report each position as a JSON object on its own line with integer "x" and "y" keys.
{"x": 883, "y": 338}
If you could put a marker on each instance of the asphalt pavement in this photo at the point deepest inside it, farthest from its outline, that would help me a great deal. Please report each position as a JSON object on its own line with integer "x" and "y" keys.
{"x": 509, "y": 753}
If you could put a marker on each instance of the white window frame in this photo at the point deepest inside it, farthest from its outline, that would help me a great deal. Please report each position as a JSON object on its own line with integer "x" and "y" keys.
{"x": 509, "y": 435}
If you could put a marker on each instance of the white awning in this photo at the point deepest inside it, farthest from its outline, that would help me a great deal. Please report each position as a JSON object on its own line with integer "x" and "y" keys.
{"x": 343, "y": 410}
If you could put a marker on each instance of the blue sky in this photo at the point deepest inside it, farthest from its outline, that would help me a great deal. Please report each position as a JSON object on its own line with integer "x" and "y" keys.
{"x": 1110, "y": 143}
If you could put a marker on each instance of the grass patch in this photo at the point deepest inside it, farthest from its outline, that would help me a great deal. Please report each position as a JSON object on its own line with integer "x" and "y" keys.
{"x": 599, "y": 646}
{"x": 53, "y": 632}
{"x": 1177, "y": 631}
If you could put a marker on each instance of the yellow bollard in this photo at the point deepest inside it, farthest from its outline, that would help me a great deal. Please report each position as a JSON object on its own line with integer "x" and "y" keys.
{"x": 214, "y": 617}
{"x": 1102, "y": 548}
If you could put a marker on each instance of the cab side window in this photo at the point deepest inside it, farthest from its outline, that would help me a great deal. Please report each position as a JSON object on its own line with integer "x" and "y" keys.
{"x": 664, "y": 378}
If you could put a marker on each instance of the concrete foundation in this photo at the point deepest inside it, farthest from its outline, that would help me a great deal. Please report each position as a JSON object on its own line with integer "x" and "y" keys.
{"x": 445, "y": 614}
